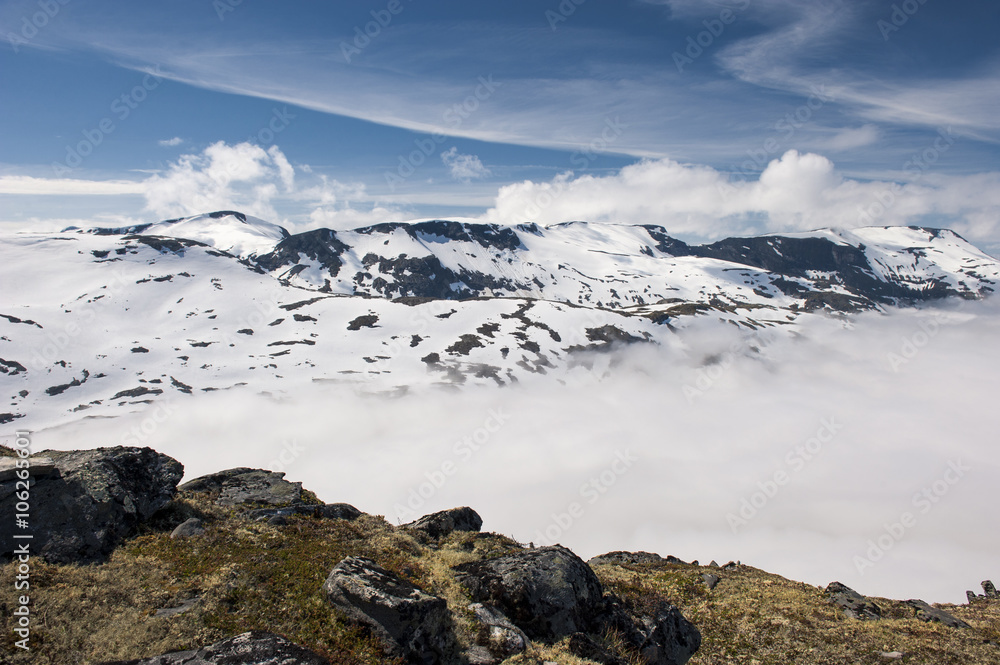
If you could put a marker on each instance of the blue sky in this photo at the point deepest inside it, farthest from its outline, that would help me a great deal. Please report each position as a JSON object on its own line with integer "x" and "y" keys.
{"x": 709, "y": 117}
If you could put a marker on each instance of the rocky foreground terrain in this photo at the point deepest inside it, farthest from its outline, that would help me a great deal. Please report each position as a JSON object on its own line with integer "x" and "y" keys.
{"x": 243, "y": 567}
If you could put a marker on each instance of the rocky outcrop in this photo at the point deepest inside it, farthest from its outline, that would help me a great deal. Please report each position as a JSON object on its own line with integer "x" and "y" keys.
{"x": 932, "y": 614}
{"x": 253, "y": 648}
{"x": 855, "y": 605}
{"x": 989, "y": 591}
{"x": 633, "y": 559}
{"x": 438, "y": 525}
{"x": 410, "y": 623}
{"x": 243, "y": 486}
{"x": 339, "y": 511}
{"x": 669, "y": 638}
{"x": 497, "y": 635}
{"x": 83, "y": 503}
{"x": 548, "y": 592}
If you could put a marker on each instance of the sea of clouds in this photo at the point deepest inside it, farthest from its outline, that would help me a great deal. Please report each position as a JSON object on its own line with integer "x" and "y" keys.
{"x": 863, "y": 452}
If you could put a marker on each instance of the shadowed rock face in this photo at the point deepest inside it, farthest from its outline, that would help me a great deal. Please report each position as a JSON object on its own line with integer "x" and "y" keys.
{"x": 253, "y": 648}
{"x": 410, "y": 623}
{"x": 548, "y": 592}
{"x": 85, "y": 502}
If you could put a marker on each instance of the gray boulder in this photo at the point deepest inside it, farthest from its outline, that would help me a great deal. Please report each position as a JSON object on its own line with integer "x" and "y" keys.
{"x": 242, "y": 486}
{"x": 191, "y": 528}
{"x": 39, "y": 466}
{"x": 438, "y": 525}
{"x": 855, "y": 605}
{"x": 990, "y": 590}
{"x": 253, "y": 648}
{"x": 342, "y": 511}
{"x": 548, "y": 592}
{"x": 501, "y": 638}
{"x": 663, "y": 638}
{"x": 932, "y": 614}
{"x": 89, "y": 501}
{"x": 670, "y": 639}
{"x": 410, "y": 623}
{"x": 710, "y": 580}
{"x": 633, "y": 559}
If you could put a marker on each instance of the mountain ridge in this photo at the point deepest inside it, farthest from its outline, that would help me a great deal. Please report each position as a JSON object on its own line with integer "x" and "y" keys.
{"x": 133, "y": 314}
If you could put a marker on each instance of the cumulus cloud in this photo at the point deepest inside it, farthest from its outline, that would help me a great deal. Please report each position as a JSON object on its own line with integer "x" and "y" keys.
{"x": 249, "y": 178}
{"x": 798, "y": 191}
{"x": 341, "y": 205}
{"x": 169, "y": 143}
{"x": 242, "y": 176}
{"x": 464, "y": 167}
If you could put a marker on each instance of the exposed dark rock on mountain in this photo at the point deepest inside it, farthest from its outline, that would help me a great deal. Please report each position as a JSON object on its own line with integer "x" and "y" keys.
{"x": 411, "y": 623}
{"x": 247, "y": 486}
{"x": 932, "y": 614}
{"x": 445, "y": 522}
{"x": 633, "y": 558}
{"x": 89, "y": 501}
{"x": 548, "y": 592}
{"x": 855, "y": 605}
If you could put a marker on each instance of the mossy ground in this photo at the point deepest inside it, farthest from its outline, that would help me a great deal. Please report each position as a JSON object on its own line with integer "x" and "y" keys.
{"x": 252, "y": 575}
{"x": 757, "y": 618}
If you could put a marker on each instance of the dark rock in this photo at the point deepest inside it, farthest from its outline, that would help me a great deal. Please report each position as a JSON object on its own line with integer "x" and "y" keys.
{"x": 548, "y": 592}
{"x": 342, "y": 511}
{"x": 410, "y": 623}
{"x": 932, "y": 614}
{"x": 855, "y": 605}
{"x": 438, "y": 525}
{"x": 732, "y": 565}
{"x": 247, "y": 486}
{"x": 665, "y": 638}
{"x": 971, "y": 596}
{"x": 189, "y": 529}
{"x": 91, "y": 501}
{"x": 253, "y": 648}
{"x": 278, "y": 520}
{"x": 989, "y": 589}
{"x": 710, "y": 580}
{"x": 670, "y": 638}
{"x": 497, "y": 634}
{"x": 363, "y": 321}
{"x": 632, "y": 559}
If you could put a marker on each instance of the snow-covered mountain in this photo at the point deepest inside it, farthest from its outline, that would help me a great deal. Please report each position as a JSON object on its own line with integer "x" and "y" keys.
{"x": 93, "y": 321}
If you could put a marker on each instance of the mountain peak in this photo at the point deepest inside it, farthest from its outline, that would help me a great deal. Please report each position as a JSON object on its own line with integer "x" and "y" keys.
{"x": 225, "y": 230}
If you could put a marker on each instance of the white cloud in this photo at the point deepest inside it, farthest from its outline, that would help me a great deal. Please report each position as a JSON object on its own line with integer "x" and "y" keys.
{"x": 346, "y": 206}
{"x": 796, "y": 192}
{"x": 851, "y": 138}
{"x": 464, "y": 167}
{"x": 169, "y": 143}
{"x": 242, "y": 177}
{"x": 21, "y": 184}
